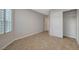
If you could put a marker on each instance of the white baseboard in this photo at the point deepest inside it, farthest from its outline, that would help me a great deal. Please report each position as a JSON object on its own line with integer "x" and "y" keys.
{"x": 70, "y": 35}
{"x": 25, "y": 35}
{"x": 18, "y": 39}
{"x": 7, "y": 44}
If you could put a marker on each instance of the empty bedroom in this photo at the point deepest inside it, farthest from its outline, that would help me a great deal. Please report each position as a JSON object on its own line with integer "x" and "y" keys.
{"x": 39, "y": 29}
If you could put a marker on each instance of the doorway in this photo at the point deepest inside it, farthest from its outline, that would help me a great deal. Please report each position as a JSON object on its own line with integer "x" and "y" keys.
{"x": 46, "y": 23}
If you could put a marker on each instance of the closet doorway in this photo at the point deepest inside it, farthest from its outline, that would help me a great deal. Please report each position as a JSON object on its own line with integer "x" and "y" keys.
{"x": 70, "y": 24}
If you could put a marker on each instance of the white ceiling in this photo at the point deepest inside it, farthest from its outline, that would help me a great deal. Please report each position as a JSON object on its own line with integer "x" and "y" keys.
{"x": 43, "y": 11}
{"x": 46, "y": 11}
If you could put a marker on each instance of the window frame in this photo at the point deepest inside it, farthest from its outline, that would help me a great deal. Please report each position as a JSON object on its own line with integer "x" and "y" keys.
{"x": 4, "y": 21}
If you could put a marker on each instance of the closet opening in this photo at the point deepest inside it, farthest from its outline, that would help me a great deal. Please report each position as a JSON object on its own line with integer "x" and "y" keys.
{"x": 70, "y": 24}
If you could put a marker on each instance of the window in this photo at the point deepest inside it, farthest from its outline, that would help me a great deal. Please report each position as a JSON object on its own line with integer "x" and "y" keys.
{"x": 5, "y": 21}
